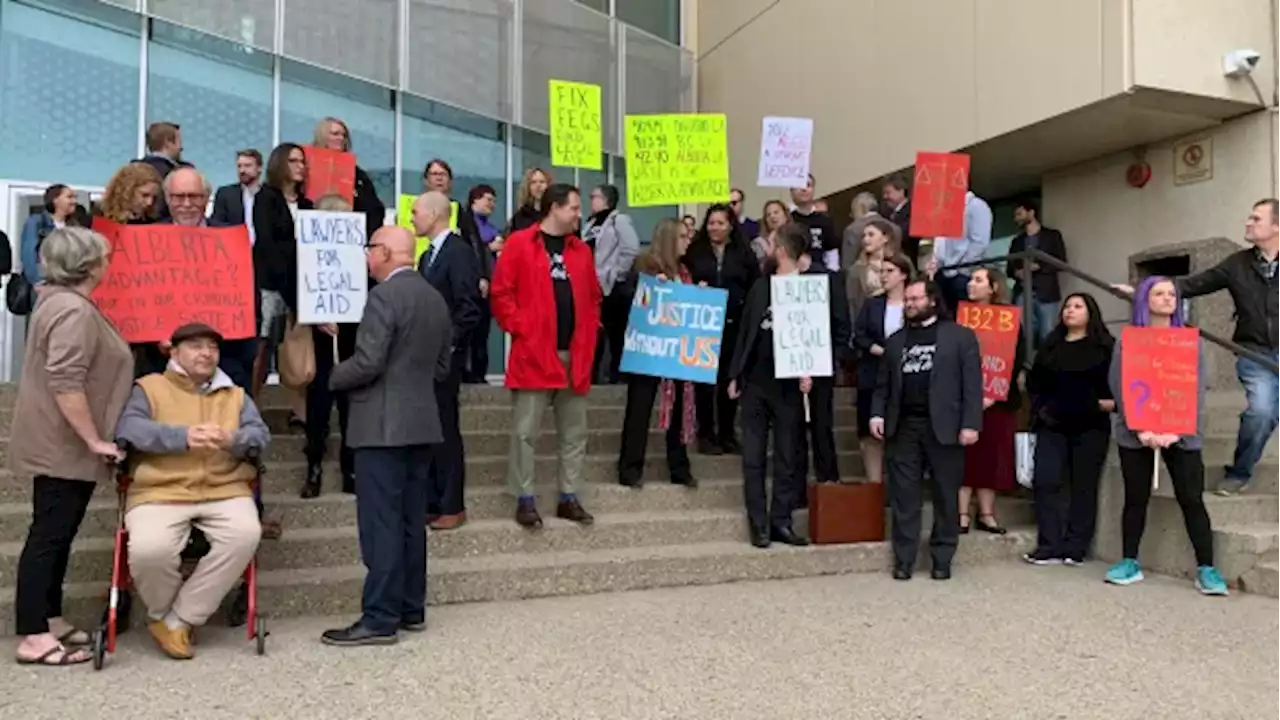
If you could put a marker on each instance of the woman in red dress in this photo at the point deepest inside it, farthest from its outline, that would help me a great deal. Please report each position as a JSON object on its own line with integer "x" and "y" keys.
{"x": 989, "y": 464}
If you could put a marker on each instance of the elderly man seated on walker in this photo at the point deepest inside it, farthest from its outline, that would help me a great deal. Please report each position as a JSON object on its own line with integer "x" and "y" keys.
{"x": 190, "y": 433}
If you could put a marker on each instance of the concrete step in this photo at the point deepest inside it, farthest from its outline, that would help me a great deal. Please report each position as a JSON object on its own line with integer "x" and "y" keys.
{"x": 1264, "y": 578}
{"x": 286, "y": 477}
{"x": 497, "y": 417}
{"x": 331, "y": 546}
{"x": 276, "y": 396}
{"x": 338, "y": 510}
{"x": 336, "y": 590}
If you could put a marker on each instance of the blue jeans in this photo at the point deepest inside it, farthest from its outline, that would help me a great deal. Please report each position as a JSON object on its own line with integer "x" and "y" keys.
{"x": 1258, "y": 421}
{"x": 1046, "y": 318}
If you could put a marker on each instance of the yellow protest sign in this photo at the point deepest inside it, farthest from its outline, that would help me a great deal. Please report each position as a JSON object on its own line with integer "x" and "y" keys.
{"x": 674, "y": 159}
{"x": 576, "y": 120}
{"x": 404, "y": 218}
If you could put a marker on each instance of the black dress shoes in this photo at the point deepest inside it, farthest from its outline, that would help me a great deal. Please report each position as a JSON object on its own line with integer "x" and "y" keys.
{"x": 901, "y": 572}
{"x": 311, "y": 486}
{"x": 573, "y": 511}
{"x": 788, "y": 535}
{"x": 413, "y": 626}
{"x": 731, "y": 446}
{"x": 760, "y": 537}
{"x": 357, "y": 634}
{"x": 941, "y": 572}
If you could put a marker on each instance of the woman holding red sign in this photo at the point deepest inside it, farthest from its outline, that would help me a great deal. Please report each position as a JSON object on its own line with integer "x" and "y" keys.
{"x": 1156, "y": 304}
{"x": 990, "y": 465}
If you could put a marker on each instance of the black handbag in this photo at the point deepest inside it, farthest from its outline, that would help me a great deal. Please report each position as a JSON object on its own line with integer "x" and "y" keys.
{"x": 20, "y": 295}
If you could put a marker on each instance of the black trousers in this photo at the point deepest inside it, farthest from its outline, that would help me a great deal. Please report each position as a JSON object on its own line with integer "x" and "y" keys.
{"x": 820, "y": 434}
{"x": 615, "y": 312}
{"x": 478, "y": 343}
{"x": 1186, "y": 470}
{"x": 716, "y": 411}
{"x": 236, "y": 360}
{"x": 320, "y": 400}
{"x": 642, "y": 390}
{"x": 391, "y": 501}
{"x": 1065, "y": 487}
{"x": 907, "y": 453}
{"x": 58, "y": 507}
{"x": 776, "y": 406}
{"x": 148, "y": 358}
{"x": 448, "y": 473}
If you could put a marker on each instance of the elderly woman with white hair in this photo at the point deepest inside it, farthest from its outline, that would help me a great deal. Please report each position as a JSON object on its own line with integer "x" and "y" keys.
{"x": 76, "y": 377}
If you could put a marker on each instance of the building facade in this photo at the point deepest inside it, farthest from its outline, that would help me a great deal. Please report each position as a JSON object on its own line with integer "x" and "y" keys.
{"x": 1054, "y": 98}
{"x": 463, "y": 80}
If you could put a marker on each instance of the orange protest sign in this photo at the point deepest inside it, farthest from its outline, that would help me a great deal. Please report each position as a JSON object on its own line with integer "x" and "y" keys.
{"x": 997, "y": 329}
{"x": 937, "y": 196}
{"x": 1160, "y": 379}
{"x": 330, "y": 172}
{"x": 161, "y": 277}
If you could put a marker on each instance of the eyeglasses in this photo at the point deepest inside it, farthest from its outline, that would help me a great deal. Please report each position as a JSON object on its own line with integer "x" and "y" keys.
{"x": 193, "y": 198}
{"x": 371, "y": 246}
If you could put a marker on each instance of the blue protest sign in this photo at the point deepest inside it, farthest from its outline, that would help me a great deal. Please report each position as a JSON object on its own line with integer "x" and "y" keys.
{"x": 674, "y": 331}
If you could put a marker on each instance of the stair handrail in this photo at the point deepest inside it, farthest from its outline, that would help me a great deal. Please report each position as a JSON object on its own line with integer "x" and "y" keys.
{"x": 1044, "y": 258}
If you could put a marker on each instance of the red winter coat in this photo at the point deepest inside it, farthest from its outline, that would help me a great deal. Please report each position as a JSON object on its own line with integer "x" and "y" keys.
{"x": 524, "y": 305}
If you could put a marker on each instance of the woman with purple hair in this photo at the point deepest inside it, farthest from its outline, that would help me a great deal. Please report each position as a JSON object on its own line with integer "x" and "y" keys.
{"x": 1156, "y": 304}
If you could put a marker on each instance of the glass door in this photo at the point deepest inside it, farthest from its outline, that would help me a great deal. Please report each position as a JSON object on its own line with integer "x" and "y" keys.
{"x": 19, "y": 201}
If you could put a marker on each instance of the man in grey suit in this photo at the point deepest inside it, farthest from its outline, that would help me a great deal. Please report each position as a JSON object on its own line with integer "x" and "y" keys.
{"x": 402, "y": 350}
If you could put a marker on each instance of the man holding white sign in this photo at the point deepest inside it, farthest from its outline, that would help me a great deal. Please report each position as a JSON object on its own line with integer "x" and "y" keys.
{"x": 928, "y": 407}
{"x": 771, "y": 353}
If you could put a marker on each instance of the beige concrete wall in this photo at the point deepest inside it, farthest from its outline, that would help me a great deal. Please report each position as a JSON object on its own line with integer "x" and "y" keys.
{"x": 1104, "y": 221}
{"x": 1178, "y": 45}
{"x": 886, "y": 78}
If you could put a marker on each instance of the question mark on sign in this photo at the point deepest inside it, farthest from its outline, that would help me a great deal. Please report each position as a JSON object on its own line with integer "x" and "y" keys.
{"x": 1144, "y": 393}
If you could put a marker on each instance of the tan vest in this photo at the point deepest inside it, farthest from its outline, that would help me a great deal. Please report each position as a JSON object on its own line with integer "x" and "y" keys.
{"x": 197, "y": 475}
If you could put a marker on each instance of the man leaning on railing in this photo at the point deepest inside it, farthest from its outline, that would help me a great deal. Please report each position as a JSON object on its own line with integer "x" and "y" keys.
{"x": 1251, "y": 278}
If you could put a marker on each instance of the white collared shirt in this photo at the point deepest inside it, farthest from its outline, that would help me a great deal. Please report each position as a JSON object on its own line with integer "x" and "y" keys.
{"x": 247, "y": 195}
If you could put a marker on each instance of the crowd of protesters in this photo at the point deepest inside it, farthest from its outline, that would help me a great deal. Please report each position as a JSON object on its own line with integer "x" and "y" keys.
{"x": 559, "y": 278}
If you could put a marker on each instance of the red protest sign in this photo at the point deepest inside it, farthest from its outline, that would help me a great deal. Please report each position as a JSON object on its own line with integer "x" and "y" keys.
{"x": 330, "y": 172}
{"x": 937, "y": 195}
{"x": 161, "y": 277}
{"x": 997, "y": 329}
{"x": 1160, "y": 379}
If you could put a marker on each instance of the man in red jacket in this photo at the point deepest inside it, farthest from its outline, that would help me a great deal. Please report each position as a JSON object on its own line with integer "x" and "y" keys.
{"x": 545, "y": 294}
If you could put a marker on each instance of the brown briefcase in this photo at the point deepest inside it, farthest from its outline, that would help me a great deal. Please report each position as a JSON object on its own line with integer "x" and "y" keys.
{"x": 846, "y": 513}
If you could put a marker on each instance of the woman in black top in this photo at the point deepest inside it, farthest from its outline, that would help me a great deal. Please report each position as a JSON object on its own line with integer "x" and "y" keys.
{"x": 529, "y": 200}
{"x": 275, "y": 248}
{"x": 1070, "y": 407}
{"x": 720, "y": 257}
{"x": 878, "y": 318}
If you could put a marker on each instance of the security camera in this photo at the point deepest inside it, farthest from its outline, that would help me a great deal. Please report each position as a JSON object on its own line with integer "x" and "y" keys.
{"x": 1240, "y": 63}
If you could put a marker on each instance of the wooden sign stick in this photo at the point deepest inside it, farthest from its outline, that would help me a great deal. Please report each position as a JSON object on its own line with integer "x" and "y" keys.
{"x": 1155, "y": 469}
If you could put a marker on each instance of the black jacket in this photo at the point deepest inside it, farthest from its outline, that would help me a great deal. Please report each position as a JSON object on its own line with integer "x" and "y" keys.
{"x": 910, "y": 245}
{"x": 1243, "y": 275}
{"x": 366, "y": 201}
{"x": 759, "y": 299}
{"x": 955, "y": 384}
{"x": 1044, "y": 281}
{"x": 736, "y": 273}
{"x": 455, "y": 275}
{"x": 275, "y": 248}
{"x": 524, "y": 216}
{"x": 228, "y": 206}
{"x": 868, "y": 330}
{"x": 470, "y": 232}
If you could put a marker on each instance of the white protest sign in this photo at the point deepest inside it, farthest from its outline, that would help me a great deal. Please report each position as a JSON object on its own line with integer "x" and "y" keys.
{"x": 333, "y": 280}
{"x": 801, "y": 325}
{"x": 785, "y": 145}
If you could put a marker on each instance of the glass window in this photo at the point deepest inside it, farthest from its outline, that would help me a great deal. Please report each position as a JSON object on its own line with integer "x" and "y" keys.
{"x": 251, "y": 22}
{"x": 656, "y": 17}
{"x": 597, "y": 5}
{"x": 646, "y": 218}
{"x": 460, "y": 52}
{"x": 659, "y": 76}
{"x": 308, "y": 94}
{"x": 357, "y": 38}
{"x": 566, "y": 42}
{"x": 68, "y": 92}
{"x": 218, "y": 91}
{"x": 474, "y": 147}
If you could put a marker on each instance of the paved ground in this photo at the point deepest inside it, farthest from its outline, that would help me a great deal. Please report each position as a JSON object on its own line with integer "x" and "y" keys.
{"x": 1005, "y": 642}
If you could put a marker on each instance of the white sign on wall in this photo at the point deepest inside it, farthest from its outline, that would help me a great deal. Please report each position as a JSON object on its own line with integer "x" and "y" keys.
{"x": 801, "y": 325}
{"x": 333, "y": 279}
{"x": 785, "y": 146}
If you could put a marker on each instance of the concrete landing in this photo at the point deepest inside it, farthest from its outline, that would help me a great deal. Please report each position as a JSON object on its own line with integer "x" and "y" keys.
{"x": 1000, "y": 641}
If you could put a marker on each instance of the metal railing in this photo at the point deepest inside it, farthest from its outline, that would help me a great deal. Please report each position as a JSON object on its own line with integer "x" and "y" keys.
{"x": 1043, "y": 258}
